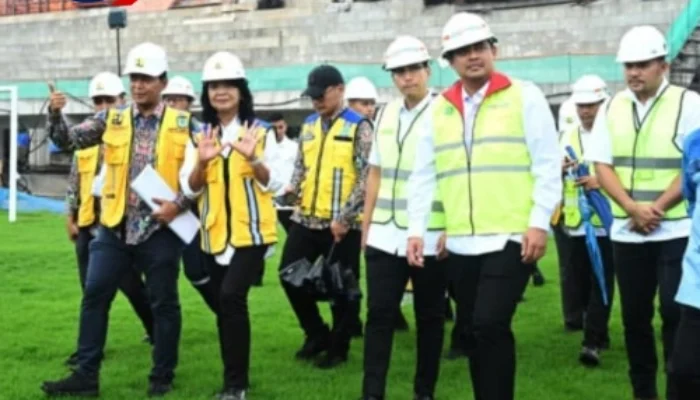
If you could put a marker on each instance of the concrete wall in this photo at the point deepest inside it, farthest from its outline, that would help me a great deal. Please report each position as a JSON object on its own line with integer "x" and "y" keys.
{"x": 77, "y": 44}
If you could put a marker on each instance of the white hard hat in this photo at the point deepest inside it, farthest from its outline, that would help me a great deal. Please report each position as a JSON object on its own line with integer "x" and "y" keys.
{"x": 464, "y": 29}
{"x": 589, "y": 89}
{"x": 223, "y": 66}
{"x": 179, "y": 86}
{"x": 405, "y": 50}
{"x": 147, "y": 59}
{"x": 360, "y": 88}
{"x": 106, "y": 84}
{"x": 642, "y": 43}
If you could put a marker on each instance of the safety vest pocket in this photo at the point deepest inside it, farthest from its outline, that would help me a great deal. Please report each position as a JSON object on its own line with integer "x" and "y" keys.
{"x": 86, "y": 163}
{"x": 116, "y": 149}
{"x": 178, "y": 142}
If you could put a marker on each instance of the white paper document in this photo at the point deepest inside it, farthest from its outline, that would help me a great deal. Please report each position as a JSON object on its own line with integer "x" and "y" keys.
{"x": 150, "y": 184}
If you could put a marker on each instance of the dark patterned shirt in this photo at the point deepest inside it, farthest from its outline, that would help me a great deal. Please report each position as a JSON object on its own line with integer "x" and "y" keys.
{"x": 139, "y": 225}
{"x": 353, "y": 206}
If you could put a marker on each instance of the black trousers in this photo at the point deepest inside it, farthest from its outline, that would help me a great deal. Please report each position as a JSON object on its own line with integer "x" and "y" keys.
{"x": 131, "y": 284}
{"x": 303, "y": 242}
{"x": 491, "y": 285}
{"x": 462, "y": 328}
{"x": 685, "y": 361}
{"x": 284, "y": 218}
{"x": 387, "y": 275}
{"x": 580, "y": 269}
{"x": 573, "y": 295}
{"x": 111, "y": 259}
{"x": 197, "y": 268}
{"x": 643, "y": 269}
{"x": 233, "y": 319}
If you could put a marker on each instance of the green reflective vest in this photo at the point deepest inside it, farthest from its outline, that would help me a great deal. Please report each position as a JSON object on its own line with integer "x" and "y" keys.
{"x": 487, "y": 190}
{"x": 570, "y": 210}
{"x": 397, "y": 157}
{"x": 646, "y": 158}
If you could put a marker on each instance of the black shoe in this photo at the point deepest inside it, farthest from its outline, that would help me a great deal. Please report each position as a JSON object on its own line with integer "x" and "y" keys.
{"x": 371, "y": 398}
{"x": 313, "y": 346}
{"x": 72, "y": 360}
{"x": 231, "y": 394}
{"x": 456, "y": 353}
{"x": 77, "y": 384}
{"x": 589, "y": 356}
{"x": 330, "y": 360}
{"x": 159, "y": 388}
{"x": 537, "y": 278}
{"x": 401, "y": 325}
{"x": 422, "y": 397}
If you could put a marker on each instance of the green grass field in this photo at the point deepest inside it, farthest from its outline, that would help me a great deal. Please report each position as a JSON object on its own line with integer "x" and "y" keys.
{"x": 39, "y": 303}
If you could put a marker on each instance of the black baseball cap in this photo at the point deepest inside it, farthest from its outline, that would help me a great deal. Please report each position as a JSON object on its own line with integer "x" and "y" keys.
{"x": 320, "y": 79}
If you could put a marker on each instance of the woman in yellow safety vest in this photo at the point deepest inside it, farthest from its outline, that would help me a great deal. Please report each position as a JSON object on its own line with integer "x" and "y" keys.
{"x": 228, "y": 168}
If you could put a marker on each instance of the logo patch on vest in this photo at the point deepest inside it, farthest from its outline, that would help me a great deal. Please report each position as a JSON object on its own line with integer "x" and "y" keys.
{"x": 307, "y": 136}
{"x": 181, "y": 121}
{"x": 117, "y": 119}
{"x": 345, "y": 131}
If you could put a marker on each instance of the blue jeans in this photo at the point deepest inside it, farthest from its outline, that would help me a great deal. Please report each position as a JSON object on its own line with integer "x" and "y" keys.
{"x": 110, "y": 258}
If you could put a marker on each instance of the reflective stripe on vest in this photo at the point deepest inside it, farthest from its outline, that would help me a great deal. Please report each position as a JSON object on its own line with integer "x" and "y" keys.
{"x": 490, "y": 190}
{"x": 330, "y": 164}
{"x": 233, "y": 208}
{"x": 646, "y": 158}
{"x": 169, "y": 155}
{"x": 570, "y": 210}
{"x": 86, "y": 161}
{"x": 397, "y": 159}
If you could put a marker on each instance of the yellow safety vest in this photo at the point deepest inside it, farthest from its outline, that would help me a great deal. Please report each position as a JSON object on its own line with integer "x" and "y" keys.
{"x": 330, "y": 164}
{"x": 233, "y": 208}
{"x": 170, "y": 153}
{"x": 570, "y": 210}
{"x": 490, "y": 190}
{"x": 87, "y": 161}
{"x": 646, "y": 158}
{"x": 397, "y": 158}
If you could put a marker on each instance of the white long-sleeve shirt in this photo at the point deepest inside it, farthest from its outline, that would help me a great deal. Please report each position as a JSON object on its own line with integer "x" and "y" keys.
{"x": 389, "y": 237}
{"x": 601, "y": 152}
{"x": 542, "y": 142}
{"x": 287, "y": 151}
{"x": 230, "y": 133}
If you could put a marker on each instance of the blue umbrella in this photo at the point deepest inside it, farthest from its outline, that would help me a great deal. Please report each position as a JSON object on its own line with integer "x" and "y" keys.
{"x": 596, "y": 199}
{"x": 587, "y": 211}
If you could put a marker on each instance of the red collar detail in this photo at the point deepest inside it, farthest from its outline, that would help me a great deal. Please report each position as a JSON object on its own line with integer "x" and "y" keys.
{"x": 453, "y": 94}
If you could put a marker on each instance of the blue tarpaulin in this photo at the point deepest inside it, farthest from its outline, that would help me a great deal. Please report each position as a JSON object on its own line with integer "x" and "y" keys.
{"x": 29, "y": 203}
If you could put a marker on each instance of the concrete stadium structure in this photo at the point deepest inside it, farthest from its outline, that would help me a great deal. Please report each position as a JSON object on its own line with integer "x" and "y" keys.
{"x": 550, "y": 42}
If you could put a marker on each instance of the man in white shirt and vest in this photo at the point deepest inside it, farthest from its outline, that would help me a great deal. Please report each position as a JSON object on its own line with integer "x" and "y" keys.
{"x": 385, "y": 225}
{"x": 489, "y": 151}
{"x": 637, "y": 152}
{"x": 579, "y": 284}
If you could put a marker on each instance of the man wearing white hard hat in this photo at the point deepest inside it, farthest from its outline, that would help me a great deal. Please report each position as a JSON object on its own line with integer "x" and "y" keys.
{"x": 362, "y": 96}
{"x": 106, "y": 90}
{"x": 229, "y": 169}
{"x": 637, "y": 146}
{"x": 179, "y": 93}
{"x": 489, "y": 151}
{"x": 131, "y": 234}
{"x": 578, "y": 283}
{"x": 385, "y": 226}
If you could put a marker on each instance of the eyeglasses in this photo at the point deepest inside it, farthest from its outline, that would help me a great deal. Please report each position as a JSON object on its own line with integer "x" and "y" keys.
{"x": 99, "y": 100}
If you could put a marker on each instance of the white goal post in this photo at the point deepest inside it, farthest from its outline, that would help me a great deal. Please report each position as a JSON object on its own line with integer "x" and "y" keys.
{"x": 12, "y": 201}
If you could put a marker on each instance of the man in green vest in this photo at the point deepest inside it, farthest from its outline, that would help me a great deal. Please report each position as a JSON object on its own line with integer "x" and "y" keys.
{"x": 579, "y": 282}
{"x": 489, "y": 152}
{"x": 385, "y": 230}
{"x": 637, "y": 153}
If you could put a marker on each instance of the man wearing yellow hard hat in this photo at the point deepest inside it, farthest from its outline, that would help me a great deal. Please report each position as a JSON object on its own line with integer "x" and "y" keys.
{"x": 637, "y": 153}
{"x": 486, "y": 128}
